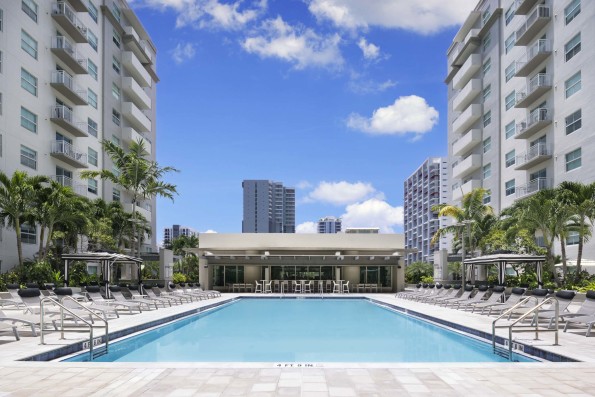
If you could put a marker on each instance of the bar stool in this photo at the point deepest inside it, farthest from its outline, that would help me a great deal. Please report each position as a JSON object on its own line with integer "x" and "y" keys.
{"x": 328, "y": 286}
{"x": 308, "y": 287}
{"x": 297, "y": 287}
{"x": 276, "y": 286}
{"x": 267, "y": 288}
{"x": 258, "y": 287}
{"x": 346, "y": 288}
{"x": 336, "y": 287}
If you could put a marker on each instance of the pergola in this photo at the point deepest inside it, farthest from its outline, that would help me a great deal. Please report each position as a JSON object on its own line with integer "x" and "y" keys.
{"x": 106, "y": 259}
{"x": 504, "y": 259}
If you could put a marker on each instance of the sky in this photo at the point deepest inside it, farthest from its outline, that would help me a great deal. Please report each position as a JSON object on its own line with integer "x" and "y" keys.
{"x": 341, "y": 99}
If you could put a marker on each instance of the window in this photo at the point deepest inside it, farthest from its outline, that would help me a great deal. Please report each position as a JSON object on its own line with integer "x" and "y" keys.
{"x": 486, "y": 42}
{"x": 510, "y": 71}
{"x": 487, "y": 144}
{"x": 117, "y": 13}
{"x": 92, "y": 39}
{"x": 116, "y": 195}
{"x": 116, "y": 117}
{"x": 92, "y": 127}
{"x": 28, "y": 44}
{"x": 572, "y": 10}
{"x": 92, "y": 69}
{"x": 510, "y": 158}
{"x": 116, "y": 65}
{"x": 510, "y": 129}
{"x": 92, "y": 10}
{"x": 510, "y": 100}
{"x": 116, "y": 171}
{"x": 487, "y": 65}
{"x": 573, "y": 122}
{"x": 116, "y": 140}
{"x": 573, "y": 47}
{"x": 510, "y": 188}
{"x": 573, "y": 85}
{"x": 487, "y": 197}
{"x": 115, "y": 91}
{"x": 92, "y": 186}
{"x": 487, "y": 118}
{"x": 92, "y": 98}
{"x": 487, "y": 171}
{"x": 486, "y": 92}
{"x": 116, "y": 38}
{"x": 28, "y": 120}
{"x": 1, "y": 20}
{"x": 28, "y": 234}
{"x": 572, "y": 238}
{"x": 573, "y": 160}
{"x": 92, "y": 156}
{"x": 29, "y": 7}
{"x": 485, "y": 16}
{"x": 28, "y": 157}
{"x": 28, "y": 82}
{"x": 510, "y": 42}
{"x": 509, "y": 14}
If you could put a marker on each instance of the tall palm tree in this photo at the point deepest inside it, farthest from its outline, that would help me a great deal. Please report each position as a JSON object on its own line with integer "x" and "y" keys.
{"x": 137, "y": 174}
{"x": 17, "y": 195}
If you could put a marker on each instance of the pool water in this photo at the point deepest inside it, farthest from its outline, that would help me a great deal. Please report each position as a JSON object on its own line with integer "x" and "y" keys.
{"x": 300, "y": 330}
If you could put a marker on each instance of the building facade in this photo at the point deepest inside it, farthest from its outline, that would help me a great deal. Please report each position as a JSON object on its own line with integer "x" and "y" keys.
{"x": 73, "y": 73}
{"x": 362, "y": 230}
{"x": 520, "y": 99}
{"x": 425, "y": 188}
{"x": 269, "y": 207}
{"x": 171, "y": 233}
{"x": 329, "y": 224}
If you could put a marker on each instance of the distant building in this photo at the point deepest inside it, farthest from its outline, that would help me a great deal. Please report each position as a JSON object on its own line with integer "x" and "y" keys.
{"x": 425, "y": 188}
{"x": 329, "y": 224}
{"x": 171, "y": 233}
{"x": 269, "y": 207}
{"x": 362, "y": 230}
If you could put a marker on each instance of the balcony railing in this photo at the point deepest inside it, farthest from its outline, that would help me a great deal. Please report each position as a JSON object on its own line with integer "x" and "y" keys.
{"x": 535, "y": 54}
{"x": 64, "y": 82}
{"x": 537, "y": 86}
{"x": 63, "y": 116}
{"x": 534, "y": 22}
{"x": 66, "y": 51}
{"x": 533, "y": 187}
{"x": 533, "y": 156}
{"x": 67, "y": 150}
{"x": 64, "y": 180}
{"x": 69, "y": 21}
{"x": 536, "y": 120}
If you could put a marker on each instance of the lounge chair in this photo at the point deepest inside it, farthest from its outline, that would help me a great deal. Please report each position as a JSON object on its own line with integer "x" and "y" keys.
{"x": 32, "y": 299}
{"x": 482, "y": 290}
{"x": 447, "y": 292}
{"x": 427, "y": 289}
{"x": 453, "y": 294}
{"x": 418, "y": 289}
{"x": 10, "y": 328}
{"x": 210, "y": 292}
{"x": 435, "y": 293}
{"x": 464, "y": 296}
{"x": 495, "y": 297}
{"x": 116, "y": 292}
{"x": 516, "y": 295}
{"x": 103, "y": 310}
{"x": 15, "y": 299}
{"x": 30, "y": 320}
{"x": 187, "y": 289}
{"x": 564, "y": 299}
{"x": 162, "y": 292}
{"x": 133, "y": 291}
{"x": 589, "y": 321}
{"x": 538, "y": 295}
{"x": 150, "y": 291}
{"x": 98, "y": 299}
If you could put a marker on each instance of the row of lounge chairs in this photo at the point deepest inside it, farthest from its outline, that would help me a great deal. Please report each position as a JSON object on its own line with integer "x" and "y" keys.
{"x": 488, "y": 301}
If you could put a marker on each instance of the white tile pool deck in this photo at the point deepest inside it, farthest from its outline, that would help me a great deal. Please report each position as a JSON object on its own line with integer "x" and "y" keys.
{"x": 20, "y": 378}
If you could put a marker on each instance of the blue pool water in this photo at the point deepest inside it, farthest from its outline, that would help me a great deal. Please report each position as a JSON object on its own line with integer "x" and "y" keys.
{"x": 300, "y": 330}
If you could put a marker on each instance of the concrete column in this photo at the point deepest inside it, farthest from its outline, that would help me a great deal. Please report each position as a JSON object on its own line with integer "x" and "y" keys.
{"x": 399, "y": 276}
{"x": 166, "y": 264}
{"x": 204, "y": 276}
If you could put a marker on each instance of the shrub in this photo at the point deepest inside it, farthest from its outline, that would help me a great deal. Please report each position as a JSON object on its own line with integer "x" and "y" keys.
{"x": 179, "y": 278}
{"x": 415, "y": 271}
{"x": 77, "y": 274}
{"x": 427, "y": 279}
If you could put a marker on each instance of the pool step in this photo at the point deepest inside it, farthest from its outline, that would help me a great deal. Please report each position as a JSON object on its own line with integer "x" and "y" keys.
{"x": 502, "y": 352}
{"x": 99, "y": 351}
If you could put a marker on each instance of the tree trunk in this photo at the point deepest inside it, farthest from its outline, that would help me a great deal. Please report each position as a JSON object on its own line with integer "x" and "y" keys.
{"x": 41, "y": 238}
{"x": 579, "y": 256}
{"x": 132, "y": 245}
{"x": 49, "y": 240}
{"x": 17, "y": 228}
{"x": 563, "y": 252}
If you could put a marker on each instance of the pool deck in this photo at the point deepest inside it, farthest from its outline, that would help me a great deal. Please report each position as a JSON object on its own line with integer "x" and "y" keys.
{"x": 25, "y": 378}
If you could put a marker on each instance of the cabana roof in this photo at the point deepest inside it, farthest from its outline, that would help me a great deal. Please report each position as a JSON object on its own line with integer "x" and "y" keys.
{"x": 495, "y": 259}
{"x": 101, "y": 256}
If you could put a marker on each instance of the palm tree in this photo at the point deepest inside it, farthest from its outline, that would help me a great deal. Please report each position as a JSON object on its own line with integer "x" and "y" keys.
{"x": 137, "y": 174}
{"x": 581, "y": 199}
{"x": 17, "y": 195}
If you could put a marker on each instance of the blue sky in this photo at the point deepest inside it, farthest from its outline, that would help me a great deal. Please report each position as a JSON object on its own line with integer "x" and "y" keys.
{"x": 341, "y": 99}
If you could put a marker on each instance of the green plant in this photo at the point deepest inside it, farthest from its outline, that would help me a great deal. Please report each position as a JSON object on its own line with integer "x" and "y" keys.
{"x": 77, "y": 274}
{"x": 415, "y": 271}
{"x": 150, "y": 270}
{"x": 179, "y": 278}
{"x": 427, "y": 279}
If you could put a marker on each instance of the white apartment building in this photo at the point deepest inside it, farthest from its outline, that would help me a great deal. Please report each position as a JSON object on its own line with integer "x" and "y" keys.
{"x": 425, "y": 188}
{"x": 329, "y": 224}
{"x": 72, "y": 73}
{"x": 175, "y": 231}
{"x": 521, "y": 100}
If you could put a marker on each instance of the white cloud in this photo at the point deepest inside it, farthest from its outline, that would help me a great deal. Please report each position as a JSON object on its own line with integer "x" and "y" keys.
{"x": 303, "y": 185}
{"x": 183, "y": 52}
{"x": 210, "y": 231}
{"x": 409, "y": 114}
{"x": 301, "y": 47}
{"x": 373, "y": 213}
{"x": 307, "y": 228}
{"x": 361, "y": 86}
{"x": 421, "y": 16}
{"x": 369, "y": 50}
{"x": 340, "y": 193}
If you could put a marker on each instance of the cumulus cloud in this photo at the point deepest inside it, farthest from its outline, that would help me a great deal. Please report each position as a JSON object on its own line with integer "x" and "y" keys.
{"x": 409, "y": 114}
{"x": 421, "y": 16}
{"x": 373, "y": 213}
{"x": 363, "y": 86}
{"x": 369, "y": 50}
{"x": 303, "y": 185}
{"x": 183, "y": 52}
{"x": 301, "y": 47}
{"x": 307, "y": 228}
{"x": 210, "y": 231}
{"x": 341, "y": 193}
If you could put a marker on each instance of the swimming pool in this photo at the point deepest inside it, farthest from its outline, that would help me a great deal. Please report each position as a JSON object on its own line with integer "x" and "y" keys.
{"x": 300, "y": 330}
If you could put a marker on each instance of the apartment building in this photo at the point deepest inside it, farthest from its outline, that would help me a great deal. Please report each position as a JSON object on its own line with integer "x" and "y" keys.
{"x": 329, "y": 224}
{"x": 170, "y": 233}
{"x": 72, "y": 73}
{"x": 269, "y": 207}
{"x": 425, "y": 188}
{"x": 520, "y": 97}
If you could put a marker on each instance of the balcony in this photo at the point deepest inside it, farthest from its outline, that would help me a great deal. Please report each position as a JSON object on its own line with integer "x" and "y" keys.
{"x": 66, "y": 18}
{"x": 524, "y": 6}
{"x": 466, "y": 166}
{"x": 467, "y": 118}
{"x": 536, "y": 20}
{"x": 469, "y": 68}
{"x": 467, "y": 142}
{"x": 135, "y": 44}
{"x": 537, "y": 86}
{"x": 64, "y": 84}
{"x": 465, "y": 188}
{"x": 466, "y": 95}
{"x": 65, "y": 51}
{"x": 130, "y": 135}
{"x": 64, "y": 117}
{"x": 536, "y": 54}
{"x": 136, "y": 93}
{"x": 142, "y": 208}
{"x": 533, "y": 187}
{"x": 537, "y": 120}
{"x": 136, "y": 117}
{"x": 78, "y": 188}
{"x": 136, "y": 69}
{"x": 79, "y": 5}
{"x": 64, "y": 151}
{"x": 535, "y": 155}
{"x": 465, "y": 48}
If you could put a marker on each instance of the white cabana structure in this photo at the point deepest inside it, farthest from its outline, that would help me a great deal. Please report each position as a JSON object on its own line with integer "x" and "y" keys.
{"x": 501, "y": 260}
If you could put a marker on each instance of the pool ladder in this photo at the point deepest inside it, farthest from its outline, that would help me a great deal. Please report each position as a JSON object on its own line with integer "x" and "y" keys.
{"x": 506, "y": 351}
{"x": 94, "y": 351}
